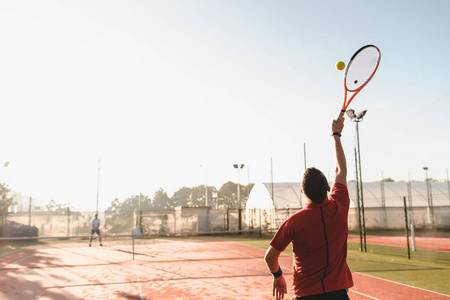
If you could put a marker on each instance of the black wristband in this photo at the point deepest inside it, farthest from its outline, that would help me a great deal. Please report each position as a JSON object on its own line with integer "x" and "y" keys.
{"x": 336, "y": 133}
{"x": 277, "y": 273}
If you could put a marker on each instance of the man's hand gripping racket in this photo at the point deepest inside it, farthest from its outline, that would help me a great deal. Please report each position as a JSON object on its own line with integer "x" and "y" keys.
{"x": 360, "y": 70}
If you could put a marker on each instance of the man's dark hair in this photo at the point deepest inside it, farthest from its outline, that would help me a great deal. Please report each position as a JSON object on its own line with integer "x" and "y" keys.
{"x": 315, "y": 185}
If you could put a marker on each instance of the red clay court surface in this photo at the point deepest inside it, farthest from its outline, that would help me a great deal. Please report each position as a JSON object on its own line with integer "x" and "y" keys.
{"x": 162, "y": 269}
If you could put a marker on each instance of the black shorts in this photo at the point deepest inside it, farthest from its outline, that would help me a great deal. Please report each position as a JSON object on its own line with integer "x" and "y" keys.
{"x": 335, "y": 295}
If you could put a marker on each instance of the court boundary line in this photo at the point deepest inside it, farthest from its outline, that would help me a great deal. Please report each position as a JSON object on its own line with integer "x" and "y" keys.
{"x": 362, "y": 294}
{"x": 404, "y": 284}
{"x": 283, "y": 267}
{"x": 7, "y": 253}
{"x": 147, "y": 281}
{"x": 138, "y": 281}
{"x": 14, "y": 262}
{"x": 101, "y": 262}
{"x": 352, "y": 290}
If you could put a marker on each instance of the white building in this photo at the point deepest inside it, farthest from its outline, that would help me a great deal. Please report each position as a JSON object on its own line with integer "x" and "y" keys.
{"x": 21, "y": 203}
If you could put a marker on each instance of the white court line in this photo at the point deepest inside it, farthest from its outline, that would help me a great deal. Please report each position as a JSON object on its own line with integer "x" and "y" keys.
{"x": 239, "y": 297}
{"x": 290, "y": 268}
{"x": 17, "y": 261}
{"x": 410, "y": 286}
{"x": 351, "y": 290}
{"x": 365, "y": 295}
{"x": 139, "y": 282}
{"x": 11, "y": 252}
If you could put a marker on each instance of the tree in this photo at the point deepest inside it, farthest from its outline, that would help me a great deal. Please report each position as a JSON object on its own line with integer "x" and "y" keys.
{"x": 181, "y": 197}
{"x": 198, "y": 197}
{"x": 57, "y": 207}
{"x": 389, "y": 179}
{"x": 146, "y": 202}
{"x": 247, "y": 190}
{"x": 5, "y": 202}
{"x": 228, "y": 191}
{"x": 228, "y": 194}
{"x": 225, "y": 197}
{"x": 130, "y": 204}
{"x": 161, "y": 201}
{"x": 212, "y": 197}
{"x": 51, "y": 206}
{"x": 114, "y": 208}
{"x": 195, "y": 196}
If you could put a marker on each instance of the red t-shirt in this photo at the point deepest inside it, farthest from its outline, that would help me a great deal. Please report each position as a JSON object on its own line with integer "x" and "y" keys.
{"x": 319, "y": 234}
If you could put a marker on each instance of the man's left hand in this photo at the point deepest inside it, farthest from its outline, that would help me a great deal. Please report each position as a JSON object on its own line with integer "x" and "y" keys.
{"x": 279, "y": 287}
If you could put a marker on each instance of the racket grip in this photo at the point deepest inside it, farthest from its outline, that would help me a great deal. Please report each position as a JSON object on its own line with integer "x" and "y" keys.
{"x": 341, "y": 116}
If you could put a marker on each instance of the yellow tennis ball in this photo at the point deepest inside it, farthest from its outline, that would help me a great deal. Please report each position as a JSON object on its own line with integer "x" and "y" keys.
{"x": 340, "y": 65}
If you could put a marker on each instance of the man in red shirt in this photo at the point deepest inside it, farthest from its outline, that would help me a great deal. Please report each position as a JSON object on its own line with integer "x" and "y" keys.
{"x": 318, "y": 233}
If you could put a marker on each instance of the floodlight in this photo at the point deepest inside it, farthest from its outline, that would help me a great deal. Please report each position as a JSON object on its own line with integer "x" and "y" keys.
{"x": 351, "y": 113}
{"x": 361, "y": 114}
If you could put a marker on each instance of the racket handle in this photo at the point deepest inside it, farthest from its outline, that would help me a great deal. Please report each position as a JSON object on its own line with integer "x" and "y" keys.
{"x": 341, "y": 116}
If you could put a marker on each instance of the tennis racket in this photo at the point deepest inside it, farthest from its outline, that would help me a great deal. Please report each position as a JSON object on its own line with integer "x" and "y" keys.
{"x": 360, "y": 70}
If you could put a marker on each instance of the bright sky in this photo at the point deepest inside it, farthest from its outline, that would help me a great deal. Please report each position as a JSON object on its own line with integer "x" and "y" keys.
{"x": 156, "y": 89}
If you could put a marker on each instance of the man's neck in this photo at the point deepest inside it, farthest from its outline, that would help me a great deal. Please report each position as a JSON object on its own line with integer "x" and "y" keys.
{"x": 310, "y": 201}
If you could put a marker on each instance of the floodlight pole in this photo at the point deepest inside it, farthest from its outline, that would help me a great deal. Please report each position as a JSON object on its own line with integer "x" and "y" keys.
{"x": 236, "y": 166}
{"x": 448, "y": 186}
{"x": 29, "y": 211}
{"x": 361, "y": 188}
{"x": 411, "y": 213}
{"x": 140, "y": 212}
{"x": 429, "y": 197}
{"x": 68, "y": 219}
{"x": 4, "y": 220}
{"x": 206, "y": 185}
{"x": 383, "y": 200}
{"x": 206, "y": 189}
{"x": 304, "y": 154}
{"x": 98, "y": 184}
{"x": 357, "y": 119}
{"x": 358, "y": 200}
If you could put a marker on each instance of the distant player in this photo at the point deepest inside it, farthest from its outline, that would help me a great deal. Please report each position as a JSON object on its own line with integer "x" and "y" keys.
{"x": 95, "y": 229}
{"x": 318, "y": 233}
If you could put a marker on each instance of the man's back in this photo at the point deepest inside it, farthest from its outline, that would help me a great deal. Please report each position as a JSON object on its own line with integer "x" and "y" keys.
{"x": 318, "y": 234}
{"x": 319, "y": 241}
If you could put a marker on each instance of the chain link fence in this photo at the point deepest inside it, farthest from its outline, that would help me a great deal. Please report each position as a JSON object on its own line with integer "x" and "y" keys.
{"x": 202, "y": 220}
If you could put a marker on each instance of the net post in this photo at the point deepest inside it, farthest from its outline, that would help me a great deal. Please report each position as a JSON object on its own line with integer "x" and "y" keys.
{"x": 132, "y": 237}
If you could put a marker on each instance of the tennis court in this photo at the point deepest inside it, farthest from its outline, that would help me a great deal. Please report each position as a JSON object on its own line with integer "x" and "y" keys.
{"x": 163, "y": 268}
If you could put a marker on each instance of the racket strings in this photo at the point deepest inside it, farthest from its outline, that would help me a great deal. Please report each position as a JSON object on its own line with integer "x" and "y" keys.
{"x": 361, "y": 68}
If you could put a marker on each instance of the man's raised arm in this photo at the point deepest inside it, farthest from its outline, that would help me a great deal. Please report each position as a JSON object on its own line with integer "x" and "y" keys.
{"x": 341, "y": 164}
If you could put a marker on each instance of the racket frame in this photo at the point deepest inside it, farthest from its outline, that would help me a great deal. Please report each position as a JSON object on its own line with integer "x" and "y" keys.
{"x": 357, "y": 90}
